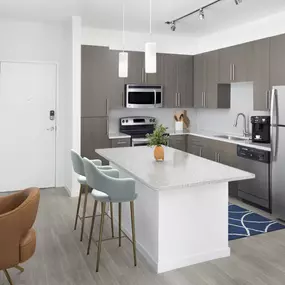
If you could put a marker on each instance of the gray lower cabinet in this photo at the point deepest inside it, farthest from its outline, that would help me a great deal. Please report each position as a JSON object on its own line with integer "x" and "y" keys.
{"x": 94, "y": 135}
{"x": 260, "y": 74}
{"x": 121, "y": 142}
{"x": 178, "y": 142}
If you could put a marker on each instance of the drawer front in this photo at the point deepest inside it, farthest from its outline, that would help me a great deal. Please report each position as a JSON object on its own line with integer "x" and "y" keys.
{"x": 121, "y": 143}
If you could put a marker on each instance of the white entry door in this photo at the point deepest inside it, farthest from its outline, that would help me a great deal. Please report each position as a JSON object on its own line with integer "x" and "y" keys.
{"x": 27, "y": 142}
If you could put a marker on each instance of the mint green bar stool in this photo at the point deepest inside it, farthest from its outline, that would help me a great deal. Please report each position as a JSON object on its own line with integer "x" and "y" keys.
{"x": 108, "y": 187}
{"x": 78, "y": 167}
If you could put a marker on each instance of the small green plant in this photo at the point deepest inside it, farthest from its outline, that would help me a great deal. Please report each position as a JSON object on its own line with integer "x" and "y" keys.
{"x": 158, "y": 137}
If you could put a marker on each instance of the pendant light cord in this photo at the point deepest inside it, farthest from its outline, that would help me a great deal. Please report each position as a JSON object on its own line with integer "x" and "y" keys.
{"x": 150, "y": 16}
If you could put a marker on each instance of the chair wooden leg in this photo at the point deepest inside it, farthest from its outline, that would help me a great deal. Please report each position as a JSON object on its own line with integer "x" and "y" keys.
{"x": 133, "y": 231}
{"x": 103, "y": 206}
{"x": 78, "y": 207}
{"x": 84, "y": 212}
{"x": 92, "y": 226}
{"x": 120, "y": 223}
{"x": 8, "y": 276}
{"x": 112, "y": 219}
{"x": 20, "y": 268}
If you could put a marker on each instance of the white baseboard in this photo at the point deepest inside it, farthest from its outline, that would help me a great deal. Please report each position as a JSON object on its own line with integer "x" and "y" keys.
{"x": 191, "y": 260}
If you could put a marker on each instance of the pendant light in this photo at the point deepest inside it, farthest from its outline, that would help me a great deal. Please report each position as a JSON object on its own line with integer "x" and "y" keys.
{"x": 150, "y": 48}
{"x": 123, "y": 56}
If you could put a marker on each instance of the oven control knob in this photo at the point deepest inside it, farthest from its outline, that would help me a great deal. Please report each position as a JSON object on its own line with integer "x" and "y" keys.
{"x": 127, "y": 121}
{"x": 123, "y": 121}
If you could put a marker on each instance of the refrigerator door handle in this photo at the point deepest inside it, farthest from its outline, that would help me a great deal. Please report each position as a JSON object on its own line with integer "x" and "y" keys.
{"x": 274, "y": 137}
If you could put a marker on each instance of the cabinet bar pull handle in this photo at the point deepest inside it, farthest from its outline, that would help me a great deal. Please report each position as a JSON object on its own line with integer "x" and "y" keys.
{"x": 231, "y": 71}
{"x": 234, "y": 72}
{"x": 121, "y": 142}
{"x": 205, "y": 103}
{"x": 123, "y": 101}
{"x": 107, "y": 126}
{"x": 176, "y": 100}
{"x": 107, "y": 107}
{"x": 218, "y": 157}
{"x": 200, "y": 153}
{"x": 179, "y": 99}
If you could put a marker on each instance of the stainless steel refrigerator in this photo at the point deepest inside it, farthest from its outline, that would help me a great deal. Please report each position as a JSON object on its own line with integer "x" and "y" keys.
{"x": 278, "y": 151}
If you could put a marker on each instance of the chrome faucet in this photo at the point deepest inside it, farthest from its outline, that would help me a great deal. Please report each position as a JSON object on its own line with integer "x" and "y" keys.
{"x": 245, "y": 131}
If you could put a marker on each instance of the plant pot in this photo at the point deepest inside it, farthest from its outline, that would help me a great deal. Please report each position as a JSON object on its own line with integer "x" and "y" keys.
{"x": 159, "y": 153}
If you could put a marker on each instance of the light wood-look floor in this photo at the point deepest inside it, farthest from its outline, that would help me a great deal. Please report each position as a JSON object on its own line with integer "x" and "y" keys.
{"x": 61, "y": 258}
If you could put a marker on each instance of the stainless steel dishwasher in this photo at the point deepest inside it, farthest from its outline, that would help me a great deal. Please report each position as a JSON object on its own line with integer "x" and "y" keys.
{"x": 256, "y": 191}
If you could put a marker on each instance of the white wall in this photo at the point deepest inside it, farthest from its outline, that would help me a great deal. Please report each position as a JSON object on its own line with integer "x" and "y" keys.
{"x": 136, "y": 41}
{"x": 47, "y": 42}
{"x": 223, "y": 120}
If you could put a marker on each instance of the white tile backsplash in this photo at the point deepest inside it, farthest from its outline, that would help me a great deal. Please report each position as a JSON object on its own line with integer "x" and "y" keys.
{"x": 217, "y": 120}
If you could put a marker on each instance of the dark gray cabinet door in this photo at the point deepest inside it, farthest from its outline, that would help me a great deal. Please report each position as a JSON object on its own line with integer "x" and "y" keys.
{"x": 170, "y": 80}
{"x": 234, "y": 64}
{"x": 95, "y": 85}
{"x": 277, "y": 60}
{"x": 199, "y": 80}
{"x": 195, "y": 150}
{"x": 156, "y": 78}
{"x": 185, "y": 81}
{"x": 136, "y": 74}
{"x": 94, "y": 135}
{"x": 212, "y": 77}
{"x": 260, "y": 72}
{"x": 116, "y": 95}
{"x": 178, "y": 142}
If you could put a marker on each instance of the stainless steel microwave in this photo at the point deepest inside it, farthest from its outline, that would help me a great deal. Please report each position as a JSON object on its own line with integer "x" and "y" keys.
{"x": 143, "y": 96}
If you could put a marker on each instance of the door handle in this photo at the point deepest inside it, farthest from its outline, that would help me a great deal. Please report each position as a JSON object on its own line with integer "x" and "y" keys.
{"x": 51, "y": 129}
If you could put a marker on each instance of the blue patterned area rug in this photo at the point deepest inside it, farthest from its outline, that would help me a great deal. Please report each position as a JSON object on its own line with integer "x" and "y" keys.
{"x": 244, "y": 223}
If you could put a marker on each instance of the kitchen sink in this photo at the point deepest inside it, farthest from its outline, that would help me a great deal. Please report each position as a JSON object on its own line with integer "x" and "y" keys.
{"x": 232, "y": 138}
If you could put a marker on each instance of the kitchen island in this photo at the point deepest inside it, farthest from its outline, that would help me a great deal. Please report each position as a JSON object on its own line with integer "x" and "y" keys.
{"x": 181, "y": 212}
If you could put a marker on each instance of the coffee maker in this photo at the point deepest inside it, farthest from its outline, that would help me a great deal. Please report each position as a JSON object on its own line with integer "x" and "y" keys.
{"x": 260, "y": 129}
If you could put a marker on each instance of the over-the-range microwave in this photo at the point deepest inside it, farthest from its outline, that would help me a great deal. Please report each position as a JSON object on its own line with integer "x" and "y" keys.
{"x": 143, "y": 96}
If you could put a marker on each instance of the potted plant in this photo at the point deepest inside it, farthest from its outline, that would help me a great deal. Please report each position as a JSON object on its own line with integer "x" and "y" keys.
{"x": 157, "y": 139}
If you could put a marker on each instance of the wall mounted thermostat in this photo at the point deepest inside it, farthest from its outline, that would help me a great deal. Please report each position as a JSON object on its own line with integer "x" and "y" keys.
{"x": 51, "y": 115}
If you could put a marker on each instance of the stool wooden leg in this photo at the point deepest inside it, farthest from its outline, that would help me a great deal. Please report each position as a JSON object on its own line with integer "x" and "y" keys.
{"x": 120, "y": 223}
{"x": 103, "y": 206}
{"x": 112, "y": 219}
{"x": 20, "y": 268}
{"x": 92, "y": 226}
{"x": 133, "y": 231}
{"x": 84, "y": 212}
{"x": 78, "y": 206}
{"x": 8, "y": 277}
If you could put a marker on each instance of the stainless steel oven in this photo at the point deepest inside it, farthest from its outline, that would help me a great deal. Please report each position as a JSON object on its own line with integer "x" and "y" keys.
{"x": 143, "y": 96}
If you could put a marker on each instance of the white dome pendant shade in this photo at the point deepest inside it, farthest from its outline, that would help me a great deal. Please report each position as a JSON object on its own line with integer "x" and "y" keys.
{"x": 150, "y": 57}
{"x": 123, "y": 64}
{"x": 150, "y": 49}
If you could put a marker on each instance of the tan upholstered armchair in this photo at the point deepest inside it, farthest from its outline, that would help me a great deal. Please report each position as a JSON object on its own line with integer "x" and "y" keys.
{"x": 17, "y": 237}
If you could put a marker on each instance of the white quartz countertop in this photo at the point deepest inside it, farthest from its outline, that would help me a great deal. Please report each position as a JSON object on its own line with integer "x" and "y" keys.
{"x": 113, "y": 136}
{"x": 212, "y": 135}
{"x": 179, "y": 169}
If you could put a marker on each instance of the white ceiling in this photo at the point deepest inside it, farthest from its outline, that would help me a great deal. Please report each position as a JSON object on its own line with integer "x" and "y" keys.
{"x": 107, "y": 14}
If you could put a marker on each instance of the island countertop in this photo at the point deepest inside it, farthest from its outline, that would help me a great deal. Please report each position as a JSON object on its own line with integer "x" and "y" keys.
{"x": 179, "y": 169}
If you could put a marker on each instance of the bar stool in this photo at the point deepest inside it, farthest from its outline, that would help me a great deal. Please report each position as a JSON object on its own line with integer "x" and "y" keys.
{"x": 78, "y": 167}
{"x": 110, "y": 188}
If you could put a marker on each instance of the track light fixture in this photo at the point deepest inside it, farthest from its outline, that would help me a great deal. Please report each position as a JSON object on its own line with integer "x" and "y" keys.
{"x": 201, "y": 14}
{"x": 200, "y": 11}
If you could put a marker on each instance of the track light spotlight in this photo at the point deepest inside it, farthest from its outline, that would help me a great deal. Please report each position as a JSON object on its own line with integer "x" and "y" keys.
{"x": 173, "y": 26}
{"x": 201, "y": 14}
{"x": 237, "y": 2}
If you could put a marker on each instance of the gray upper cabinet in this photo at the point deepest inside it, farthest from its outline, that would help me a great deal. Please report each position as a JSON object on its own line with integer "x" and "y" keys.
{"x": 199, "y": 80}
{"x": 101, "y": 86}
{"x": 260, "y": 74}
{"x": 94, "y": 88}
{"x": 94, "y": 135}
{"x": 185, "y": 81}
{"x": 170, "y": 80}
{"x": 234, "y": 64}
{"x": 136, "y": 72}
{"x": 212, "y": 77}
{"x": 277, "y": 60}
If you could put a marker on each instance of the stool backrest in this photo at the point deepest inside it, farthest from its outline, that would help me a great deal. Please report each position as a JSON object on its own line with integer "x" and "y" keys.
{"x": 116, "y": 188}
{"x": 77, "y": 163}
